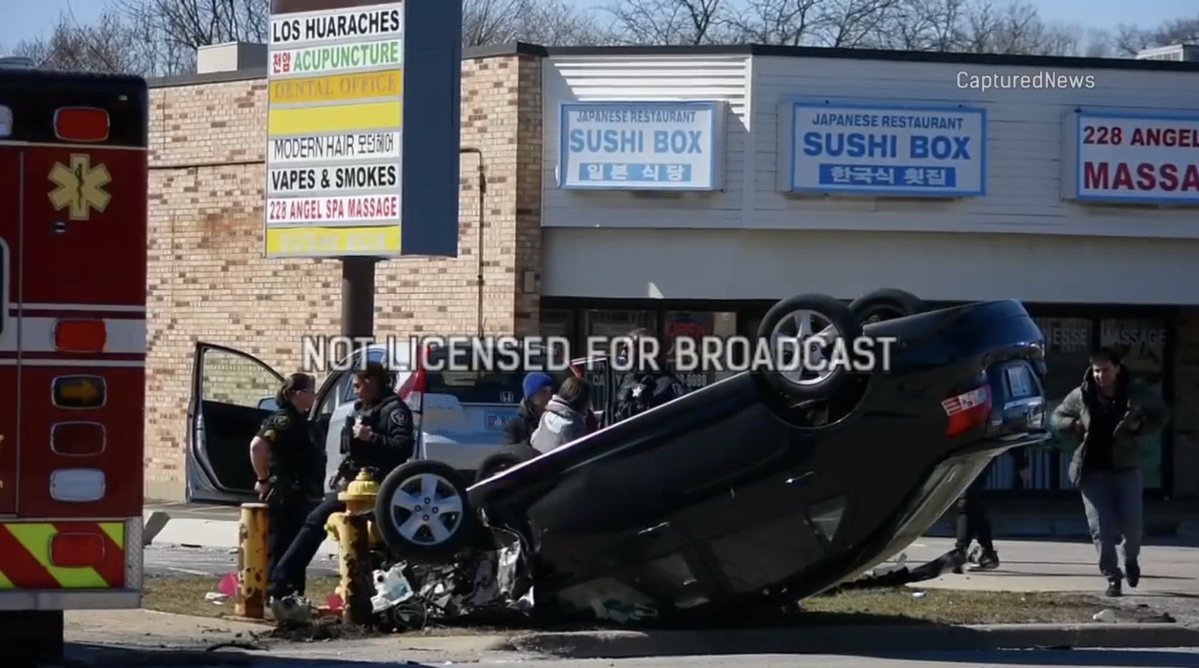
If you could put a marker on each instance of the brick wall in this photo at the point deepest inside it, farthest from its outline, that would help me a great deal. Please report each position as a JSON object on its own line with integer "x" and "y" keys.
{"x": 209, "y": 281}
{"x": 1186, "y": 398}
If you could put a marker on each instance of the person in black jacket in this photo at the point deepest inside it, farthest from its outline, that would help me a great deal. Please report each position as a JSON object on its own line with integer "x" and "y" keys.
{"x": 538, "y": 389}
{"x": 377, "y": 437}
{"x": 973, "y": 522}
{"x": 648, "y": 385}
{"x": 288, "y": 463}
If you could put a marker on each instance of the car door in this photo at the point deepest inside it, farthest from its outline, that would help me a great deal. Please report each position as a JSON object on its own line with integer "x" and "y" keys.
{"x": 228, "y": 405}
{"x": 10, "y": 216}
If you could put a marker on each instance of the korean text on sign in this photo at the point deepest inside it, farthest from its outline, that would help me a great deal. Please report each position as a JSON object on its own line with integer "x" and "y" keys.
{"x": 928, "y": 152}
{"x": 639, "y": 146}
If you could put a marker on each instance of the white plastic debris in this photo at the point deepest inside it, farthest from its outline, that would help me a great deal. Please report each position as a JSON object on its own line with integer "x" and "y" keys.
{"x": 1107, "y": 616}
{"x": 216, "y": 597}
{"x": 391, "y": 588}
{"x": 918, "y": 594}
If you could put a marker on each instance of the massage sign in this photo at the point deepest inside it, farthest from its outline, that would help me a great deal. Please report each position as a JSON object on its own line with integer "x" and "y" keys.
{"x": 1137, "y": 159}
{"x": 334, "y": 147}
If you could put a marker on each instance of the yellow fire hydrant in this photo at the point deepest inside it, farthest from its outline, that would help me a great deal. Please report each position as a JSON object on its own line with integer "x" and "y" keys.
{"x": 355, "y": 533}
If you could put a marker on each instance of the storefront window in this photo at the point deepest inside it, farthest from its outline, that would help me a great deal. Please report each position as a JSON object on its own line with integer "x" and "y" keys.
{"x": 1142, "y": 344}
{"x": 558, "y": 322}
{"x": 618, "y": 323}
{"x": 696, "y": 326}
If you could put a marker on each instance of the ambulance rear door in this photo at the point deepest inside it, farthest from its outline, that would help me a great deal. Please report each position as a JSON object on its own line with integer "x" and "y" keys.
{"x": 10, "y": 216}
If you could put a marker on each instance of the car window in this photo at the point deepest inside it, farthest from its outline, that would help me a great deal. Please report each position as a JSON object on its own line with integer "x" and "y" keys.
{"x": 470, "y": 386}
{"x": 347, "y": 383}
{"x": 482, "y": 387}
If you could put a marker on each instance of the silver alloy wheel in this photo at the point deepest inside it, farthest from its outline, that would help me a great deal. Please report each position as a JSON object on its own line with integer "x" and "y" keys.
{"x": 434, "y": 509}
{"x": 803, "y": 326}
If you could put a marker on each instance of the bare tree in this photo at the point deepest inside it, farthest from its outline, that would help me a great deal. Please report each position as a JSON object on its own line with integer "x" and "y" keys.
{"x": 669, "y": 21}
{"x": 175, "y": 29}
{"x": 1130, "y": 40}
{"x": 108, "y": 45}
{"x": 779, "y": 22}
{"x": 546, "y": 22}
{"x": 923, "y": 25}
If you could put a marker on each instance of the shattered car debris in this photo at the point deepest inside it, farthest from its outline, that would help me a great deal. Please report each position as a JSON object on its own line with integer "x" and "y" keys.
{"x": 757, "y": 490}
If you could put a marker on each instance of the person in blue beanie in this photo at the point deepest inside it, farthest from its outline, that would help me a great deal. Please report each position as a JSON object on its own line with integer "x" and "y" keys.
{"x": 538, "y": 389}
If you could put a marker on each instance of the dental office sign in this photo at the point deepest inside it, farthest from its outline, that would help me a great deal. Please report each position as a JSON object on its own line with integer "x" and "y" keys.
{"x": 640, "y": 146}
{"x": 888, "y": 151}
{"x": 1145, "y": 159}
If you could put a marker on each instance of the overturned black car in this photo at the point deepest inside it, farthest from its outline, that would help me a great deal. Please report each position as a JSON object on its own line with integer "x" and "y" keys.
{"x": 763, "y": 488}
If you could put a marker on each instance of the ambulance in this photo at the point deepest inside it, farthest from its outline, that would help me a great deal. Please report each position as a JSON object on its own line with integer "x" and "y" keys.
{"x": 73, "y": 188}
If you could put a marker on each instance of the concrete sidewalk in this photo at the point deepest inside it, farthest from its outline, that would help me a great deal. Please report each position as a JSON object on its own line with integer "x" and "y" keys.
{"x": 1066, "y": 566}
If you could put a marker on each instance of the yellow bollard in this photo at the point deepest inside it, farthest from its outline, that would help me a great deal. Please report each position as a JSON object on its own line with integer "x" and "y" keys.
{"x": 251, "y": 561}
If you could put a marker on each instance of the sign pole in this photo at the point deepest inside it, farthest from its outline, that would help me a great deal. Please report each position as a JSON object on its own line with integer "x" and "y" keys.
{"x": 358, "y": 296}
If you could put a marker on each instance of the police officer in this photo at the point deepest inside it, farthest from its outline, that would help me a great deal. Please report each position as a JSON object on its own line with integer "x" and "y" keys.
{"x": 648, "y": 385}
{"x": 378, "y": 437}
{"x": 288, "y": 463}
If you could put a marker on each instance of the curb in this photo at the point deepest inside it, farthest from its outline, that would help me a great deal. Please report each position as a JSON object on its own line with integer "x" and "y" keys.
{"x": 851, "y": 639}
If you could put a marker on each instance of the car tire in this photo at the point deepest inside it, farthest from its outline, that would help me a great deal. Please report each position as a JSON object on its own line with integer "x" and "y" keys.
{"x": 506, "y": 458}
{"x": 410, "y": 529}
{"x": 886, "y": 304}
{"x": 824, "y": 309}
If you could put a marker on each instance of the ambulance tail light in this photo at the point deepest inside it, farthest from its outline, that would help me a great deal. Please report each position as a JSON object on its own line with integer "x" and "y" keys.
{"x": 78, "y": 439}
{"x": 80, "y": 336}
{"x": 967, "y": 411}
{"x": 77, "y": 549}
{"x": 81, "y": 124}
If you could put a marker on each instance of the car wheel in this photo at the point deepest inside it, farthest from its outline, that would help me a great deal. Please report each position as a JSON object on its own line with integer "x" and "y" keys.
{"x": 816, "y": 324}
{"x": 423, "y": 512}
{"x": 886, "y": 304}
{"x": 504, "y": 459}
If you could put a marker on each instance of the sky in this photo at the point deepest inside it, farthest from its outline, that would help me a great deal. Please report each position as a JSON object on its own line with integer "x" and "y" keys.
{"x": 35, "y": 18}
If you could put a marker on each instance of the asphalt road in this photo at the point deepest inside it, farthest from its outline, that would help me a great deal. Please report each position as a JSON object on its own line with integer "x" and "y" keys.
{"x": 1080, "y": 658}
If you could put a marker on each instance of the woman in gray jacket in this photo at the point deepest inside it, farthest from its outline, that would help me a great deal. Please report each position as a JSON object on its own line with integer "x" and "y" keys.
{"x": 565, "y": 416}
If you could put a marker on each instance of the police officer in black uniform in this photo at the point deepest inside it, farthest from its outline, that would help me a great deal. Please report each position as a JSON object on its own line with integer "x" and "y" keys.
{"x": 288, "y": 463}
{"x": 648, "y": 385}
{"x": 377, "y": 437}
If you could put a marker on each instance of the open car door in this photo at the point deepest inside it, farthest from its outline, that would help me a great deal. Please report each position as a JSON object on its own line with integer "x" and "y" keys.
{"x": 232, "y": 393}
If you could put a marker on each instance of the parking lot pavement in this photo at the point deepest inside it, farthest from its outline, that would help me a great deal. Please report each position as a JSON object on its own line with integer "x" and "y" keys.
{"x": 175, "y": 560}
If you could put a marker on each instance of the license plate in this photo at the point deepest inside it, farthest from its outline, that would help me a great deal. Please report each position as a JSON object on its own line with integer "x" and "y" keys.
{"x": 1020, "y": 382}
{"x": 496, "y": 421}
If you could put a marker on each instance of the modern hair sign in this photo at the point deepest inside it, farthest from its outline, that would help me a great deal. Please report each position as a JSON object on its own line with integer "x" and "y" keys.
{"x": 887, "y": 150}
{"x": 641, "y": 145}
{"x": 1143, "y": 158}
